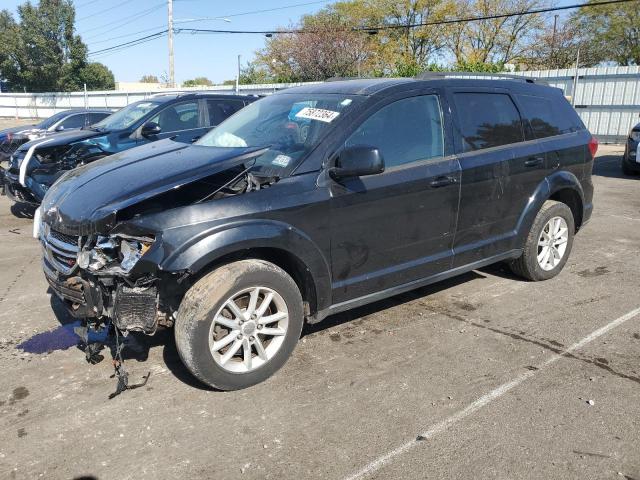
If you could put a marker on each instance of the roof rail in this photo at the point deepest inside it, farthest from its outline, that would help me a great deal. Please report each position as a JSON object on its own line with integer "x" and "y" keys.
{"x": 487, "y": 75}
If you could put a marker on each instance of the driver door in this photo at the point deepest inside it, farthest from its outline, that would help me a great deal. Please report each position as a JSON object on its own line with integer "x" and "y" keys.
{"x": 397, "y": 227}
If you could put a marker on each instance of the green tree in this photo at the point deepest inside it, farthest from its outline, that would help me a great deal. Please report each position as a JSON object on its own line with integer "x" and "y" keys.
{"x": 149, "y": 79}
{"x": 44, "y": 53}
{"x": 197, "y": 82}
{"x": 611, "y": 32}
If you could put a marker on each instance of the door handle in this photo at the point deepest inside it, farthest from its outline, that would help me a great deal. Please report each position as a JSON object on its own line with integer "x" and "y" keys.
{"x": 442, "y": 182}
{"x": 534, "y": 162}
{"x": 196, "y": 138}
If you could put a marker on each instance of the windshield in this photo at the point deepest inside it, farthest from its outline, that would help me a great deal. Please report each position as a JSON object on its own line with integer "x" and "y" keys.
{"x": 127, "y": 116}
{"x": 51, "y": 120}
{"x": 290, "y": 124}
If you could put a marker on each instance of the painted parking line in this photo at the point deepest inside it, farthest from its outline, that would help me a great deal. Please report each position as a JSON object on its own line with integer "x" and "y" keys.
{"x": 485, "y": 400}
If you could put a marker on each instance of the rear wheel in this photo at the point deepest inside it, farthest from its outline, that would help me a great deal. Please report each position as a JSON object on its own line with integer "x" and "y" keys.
{"x": 548, "y": 244}
{"x": 239, "y": 324}
{"x": 626, "y": 170}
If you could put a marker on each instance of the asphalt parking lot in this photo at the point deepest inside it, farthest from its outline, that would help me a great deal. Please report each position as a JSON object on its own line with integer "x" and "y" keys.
{"x": 483, "y": 376}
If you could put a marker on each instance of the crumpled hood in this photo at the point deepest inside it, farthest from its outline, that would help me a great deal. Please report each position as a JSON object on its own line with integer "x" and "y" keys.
{"x": 62, "y": 138}
{"x": 87, "y": 199}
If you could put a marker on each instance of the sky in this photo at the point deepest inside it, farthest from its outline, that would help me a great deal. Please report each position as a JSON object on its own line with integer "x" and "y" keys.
{"x": 214, "y": 56}
{"x": 106, "y": 23}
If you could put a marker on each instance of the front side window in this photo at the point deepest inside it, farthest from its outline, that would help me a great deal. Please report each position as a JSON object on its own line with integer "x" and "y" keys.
{"x": 127, "y": 116}
{"x": 289, "y": 125}
{"x": 180, "y": 116}
{"x": 404, "y": 131}
{"x": 487, "y": 120}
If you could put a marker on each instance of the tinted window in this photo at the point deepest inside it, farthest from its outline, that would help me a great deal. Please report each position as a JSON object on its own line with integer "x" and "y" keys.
{"x": 74, "y": 121}
{"x": 221, "y": 109}
{"x": 179, "y": 116}
{"x": 547, "y": 118}
{"x": 487, "y": 120}
{"x": 404, "y": 131}
{"x": 96, "y": 117}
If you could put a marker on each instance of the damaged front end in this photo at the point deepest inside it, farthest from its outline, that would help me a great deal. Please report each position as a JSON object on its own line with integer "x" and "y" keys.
{"x": 93, "y": 276}
{"x": 96, "y": 256}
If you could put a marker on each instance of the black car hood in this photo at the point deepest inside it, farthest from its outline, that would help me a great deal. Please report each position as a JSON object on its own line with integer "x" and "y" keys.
{"x": 63, "y": 138}
{"x": 87, "y": 199}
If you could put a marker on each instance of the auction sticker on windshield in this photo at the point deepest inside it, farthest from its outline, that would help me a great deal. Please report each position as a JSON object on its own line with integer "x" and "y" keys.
{"x": 320, "y": 114}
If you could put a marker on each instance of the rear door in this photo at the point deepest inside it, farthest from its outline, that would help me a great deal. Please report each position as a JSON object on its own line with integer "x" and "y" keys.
{"x": 396, "y": 227}
{"x": 500, "y": 171}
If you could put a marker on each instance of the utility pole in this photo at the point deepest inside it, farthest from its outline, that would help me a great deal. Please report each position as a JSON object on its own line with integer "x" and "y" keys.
{"x": 575, "y": 80}
{"x": 238, "y": 77}
{"x": 172, "y": 75}
{"x": 553, "y": 40}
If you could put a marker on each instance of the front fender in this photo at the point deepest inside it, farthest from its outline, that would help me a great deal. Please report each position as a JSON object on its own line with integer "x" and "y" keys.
{"x": 555, "y": 182}
{"x": 196, "y": 253}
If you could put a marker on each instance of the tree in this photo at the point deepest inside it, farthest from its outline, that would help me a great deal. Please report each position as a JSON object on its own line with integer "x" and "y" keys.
{"x": 198, "y": 81}
{"x": 326, "y": 47}
{"x": 399, "y": 50}
{"x": 494, "y": 41}
{"x": 612, "y": 31}
{"x": 149, "y": 79}
{"x": 43, "y": 53}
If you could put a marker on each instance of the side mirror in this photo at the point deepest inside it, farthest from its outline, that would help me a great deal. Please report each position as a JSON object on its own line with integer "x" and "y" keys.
{"x": 358, "y": 161}
{"x": 150, "y": 129}
{"x": 59, "y": 128}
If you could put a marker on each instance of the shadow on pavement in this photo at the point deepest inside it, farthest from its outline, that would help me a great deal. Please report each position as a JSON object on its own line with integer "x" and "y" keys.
{"x": 610, "y": 166}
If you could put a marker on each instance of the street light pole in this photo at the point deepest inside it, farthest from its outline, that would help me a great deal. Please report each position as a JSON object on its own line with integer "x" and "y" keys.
{"x": 172, "y": 78}
{"x": 238, "y": 76}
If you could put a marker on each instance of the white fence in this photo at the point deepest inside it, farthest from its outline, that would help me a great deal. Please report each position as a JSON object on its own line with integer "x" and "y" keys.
{"x": 43, "y": 105}
{"x": 607, "y": 98}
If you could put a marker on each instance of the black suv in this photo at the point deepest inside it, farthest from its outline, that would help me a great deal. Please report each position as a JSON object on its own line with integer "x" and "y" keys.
{"x": 36, "y": 165}
{"x": 316, "y": 200}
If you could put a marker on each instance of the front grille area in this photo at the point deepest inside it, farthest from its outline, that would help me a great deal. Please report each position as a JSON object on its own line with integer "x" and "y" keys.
{"x": 60, "y": 250}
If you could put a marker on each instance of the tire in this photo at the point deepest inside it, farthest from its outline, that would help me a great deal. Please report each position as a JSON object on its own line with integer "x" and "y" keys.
{"x": 626, "y": 170}
{"x": 198, "y": 329}
{"x": 527, "y": 265}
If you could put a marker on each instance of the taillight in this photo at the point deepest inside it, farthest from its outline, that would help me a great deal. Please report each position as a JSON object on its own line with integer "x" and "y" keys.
{"x": 593, "y": 146}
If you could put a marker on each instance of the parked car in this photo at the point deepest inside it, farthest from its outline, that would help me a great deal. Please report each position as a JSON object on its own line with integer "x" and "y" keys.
{"x": 373, "y": 188}
{"x": 36, "y": 165}
{"x": 630, "y": 159}
{"x": 12, "y": 138}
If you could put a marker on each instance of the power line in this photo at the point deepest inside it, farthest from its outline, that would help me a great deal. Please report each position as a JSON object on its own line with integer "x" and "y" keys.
{"x": 131, "y": 18}
{"x": 284, "y": 7}
{"x": 104, "y": 11}
{"x": 370, "y": 29}
{"x": 373, "y": 29}
{"x": 132, "y": 42}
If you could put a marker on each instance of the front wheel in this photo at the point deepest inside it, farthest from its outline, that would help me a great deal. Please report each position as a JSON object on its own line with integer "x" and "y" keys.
{"x": 239, "y": 324}
{"x": 548, "y": 244}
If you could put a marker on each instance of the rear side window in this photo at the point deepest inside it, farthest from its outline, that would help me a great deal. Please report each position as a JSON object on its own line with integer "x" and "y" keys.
{"x": 96, "y": 117}
{"x": 548, "y": 118}
{"x": 404, "y": 131}
{"x": 221, "y": 109}
{"x": 74, "y": 121}
{"x": 487, "y": 120}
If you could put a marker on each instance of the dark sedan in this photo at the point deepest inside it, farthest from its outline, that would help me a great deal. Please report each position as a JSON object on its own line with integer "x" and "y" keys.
{"x": 630, "y": 159}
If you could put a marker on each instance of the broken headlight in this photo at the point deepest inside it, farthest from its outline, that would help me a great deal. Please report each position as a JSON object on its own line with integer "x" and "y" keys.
{"x": 114, "y": 252}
